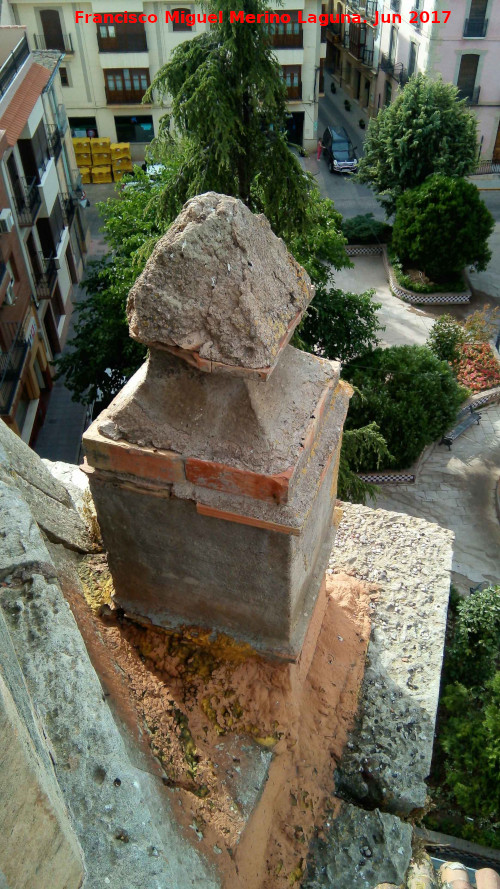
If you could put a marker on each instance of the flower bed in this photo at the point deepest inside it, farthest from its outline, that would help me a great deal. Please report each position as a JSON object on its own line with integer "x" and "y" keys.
{"x": 478, "y": 369}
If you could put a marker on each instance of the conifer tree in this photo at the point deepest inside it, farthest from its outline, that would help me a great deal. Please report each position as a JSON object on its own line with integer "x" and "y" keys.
{"x": 229, "y": 106}
{"x": 427, "y": 129}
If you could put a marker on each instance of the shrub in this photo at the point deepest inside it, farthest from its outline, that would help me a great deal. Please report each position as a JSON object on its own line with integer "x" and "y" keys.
{"x": 442, "y": 226}
{"x": 366, "y": 230}
{"x": 469, "y": 734}
{"x": 405, "y": 280}
{"x": 411, "y": 395}
{"x": 446, "y": 338}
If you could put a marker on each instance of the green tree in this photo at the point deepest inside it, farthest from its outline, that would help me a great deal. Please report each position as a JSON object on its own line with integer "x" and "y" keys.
{"x": 229, "y": 115}
{"x": 411, "y": 396}
{"x": 229, "y": 105}
{"x": 101, "y": 355}
{"x": 442, "y": 226}
{"x": 427, "y": 129}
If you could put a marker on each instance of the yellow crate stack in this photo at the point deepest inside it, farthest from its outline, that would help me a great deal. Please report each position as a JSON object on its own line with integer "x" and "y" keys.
{"x": 101, "y": 159}
{"x": 101, "y": 175}
{"x": 83, "y": 153}
{"x": 86, "y": 174}
{"x": 120, "y": 159}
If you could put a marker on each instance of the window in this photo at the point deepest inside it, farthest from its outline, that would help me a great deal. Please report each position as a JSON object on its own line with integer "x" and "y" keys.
{"x": 82, "y": 127}
{"x": 292, "y": 76}
{"x": 107, "y": 31}
{"x": 53, "y": 37}
{"x": 412, "y": 59}
{"x": 286, "y": 34}
{"x": 137, "y": 128}
{"x": 477, "y": 23}
{"x": 181, "y": 24}
{"x": 63, "y": 74}
{"x": 122, "y": 37}
{"x": 126, "y": 84}
{"x": 467, "y": 77}
{"x": 388, "y": 93}
{"x": 393, "y": 44}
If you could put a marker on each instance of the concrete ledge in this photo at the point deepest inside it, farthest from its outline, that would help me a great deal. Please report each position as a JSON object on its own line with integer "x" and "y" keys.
{"x": 388, "y": 756}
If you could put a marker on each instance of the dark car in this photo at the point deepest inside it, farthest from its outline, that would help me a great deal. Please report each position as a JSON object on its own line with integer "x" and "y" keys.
{"x": 339, "y": 151}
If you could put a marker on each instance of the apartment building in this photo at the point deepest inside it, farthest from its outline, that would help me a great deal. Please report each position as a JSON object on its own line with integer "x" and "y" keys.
{"x": 42, "y": 235}
{"x": 107, "y": 67}
{"x": 353, "y": 48}
{"x": 396, "y": 38}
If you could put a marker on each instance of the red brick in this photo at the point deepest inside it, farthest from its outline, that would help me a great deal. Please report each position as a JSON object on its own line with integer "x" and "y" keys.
{"x": 245, "y": 520}
{"x": 218, "y": 476}
{"x": 122, "y": 457}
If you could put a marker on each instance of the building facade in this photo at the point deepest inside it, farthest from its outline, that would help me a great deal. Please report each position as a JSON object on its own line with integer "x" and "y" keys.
{"x": 42, "y": 232}
{"x": 107, "y": 67}
{"x": 396, "y": 38}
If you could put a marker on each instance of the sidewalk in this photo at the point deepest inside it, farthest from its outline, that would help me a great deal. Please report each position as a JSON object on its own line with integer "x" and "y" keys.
{"x": 404, "y": 324}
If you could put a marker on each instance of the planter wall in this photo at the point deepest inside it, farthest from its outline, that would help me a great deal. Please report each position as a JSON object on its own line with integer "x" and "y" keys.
{"x": 409, "y": 296}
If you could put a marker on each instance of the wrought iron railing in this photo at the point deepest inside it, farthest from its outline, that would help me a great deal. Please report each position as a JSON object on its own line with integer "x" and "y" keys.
{"x": 54, "y": 140}
{"x": 62, "y": 42}
{"x": 27, "y": 199}
{"x": 12, "y": 64}
{"x": 486, "y": 167}
{"x": 46, "y": 277}
{"x": 67, "y": 207}
{"x": 471, "y": 96}
{"x": 11, "y": 367}
{"x": 475, "y": 27}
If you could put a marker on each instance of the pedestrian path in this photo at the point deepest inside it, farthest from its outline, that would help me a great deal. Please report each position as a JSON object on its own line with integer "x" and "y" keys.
{"x": 456, "y": 489}
{"x": 404, "y": 324}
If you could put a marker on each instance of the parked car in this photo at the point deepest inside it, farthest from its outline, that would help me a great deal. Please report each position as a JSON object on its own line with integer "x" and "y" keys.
{"x": 154, "y": 173}
{"x": 339, "y": 150}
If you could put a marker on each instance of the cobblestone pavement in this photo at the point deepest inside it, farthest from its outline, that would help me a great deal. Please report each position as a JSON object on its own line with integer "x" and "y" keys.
{"x": 456, "y": 489}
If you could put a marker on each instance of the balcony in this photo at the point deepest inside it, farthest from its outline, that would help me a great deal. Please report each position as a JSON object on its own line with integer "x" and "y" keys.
{"x": 28, "y": 201}
{"x": 386, "y": 64}
{"x": 471, "y": 96}
{"x": 333, "y": 32}
{"x": 46, "y": 277}
{"x": 63, "y": 42}
{"x": 12, "y": 65}
{"x": 294, "y": 93}
{"x": 54, "y": 140}
{"x": 68, "y": 208}
{"x": 359, "y": 51}
{"x": 12, "y": 363}
{"x": 475, "y": 27}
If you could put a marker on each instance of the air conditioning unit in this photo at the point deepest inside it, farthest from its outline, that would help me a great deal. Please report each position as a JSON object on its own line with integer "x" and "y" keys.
{"x": 6, "y": 221}
{"x": 9, "y": 293}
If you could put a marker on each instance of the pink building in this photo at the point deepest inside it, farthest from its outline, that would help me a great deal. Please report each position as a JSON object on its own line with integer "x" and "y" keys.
{"x": 462, "y": 45}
